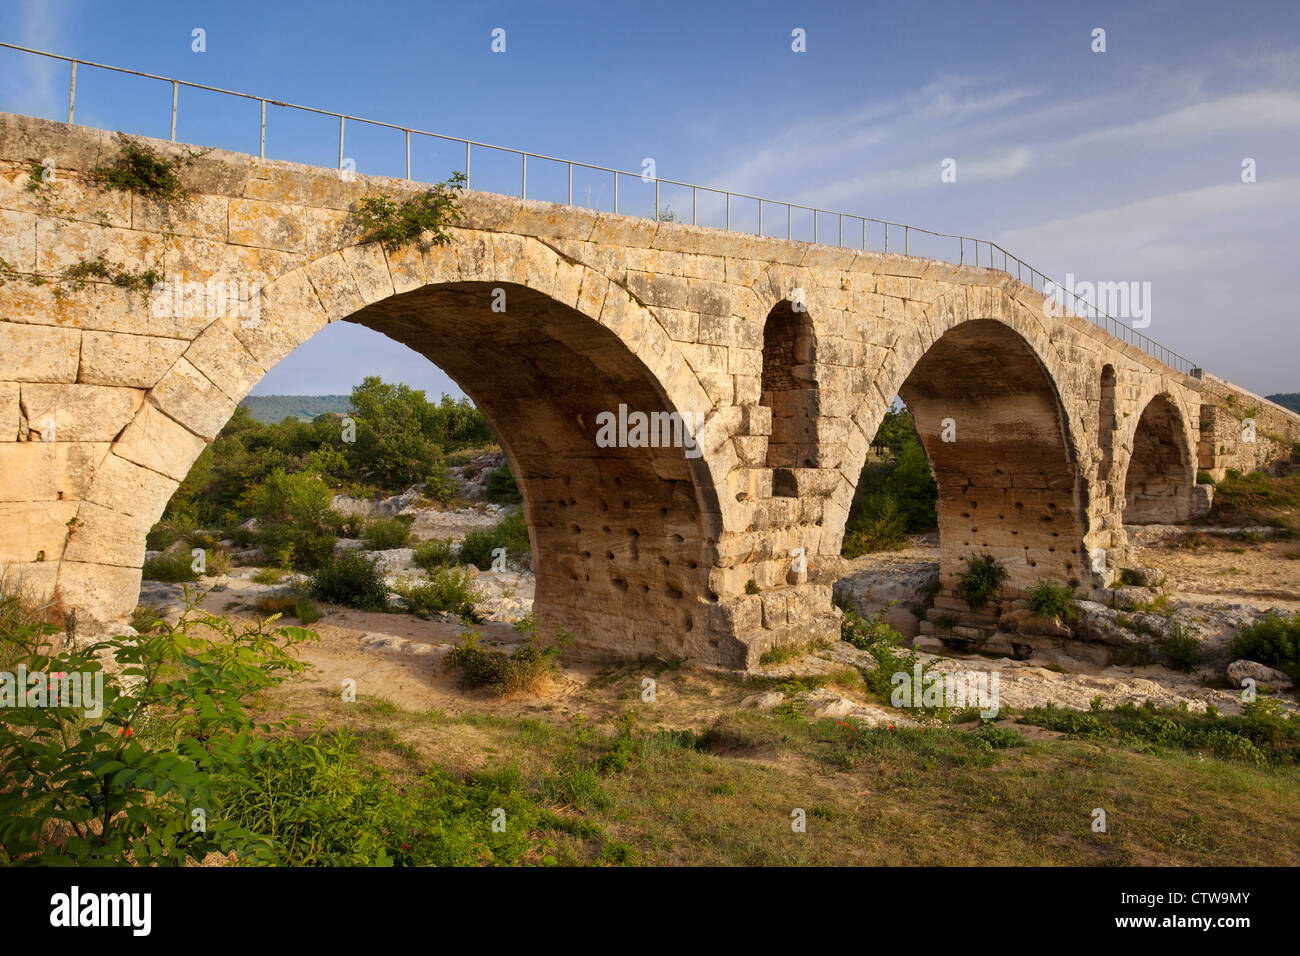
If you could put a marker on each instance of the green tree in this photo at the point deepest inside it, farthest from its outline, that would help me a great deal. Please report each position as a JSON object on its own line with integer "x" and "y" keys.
{"x": 394, "y": 424}
{"x": 295, "y": 524}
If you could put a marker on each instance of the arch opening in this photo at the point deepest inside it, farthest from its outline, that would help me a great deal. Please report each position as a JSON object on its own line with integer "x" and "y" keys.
{"x": 1106, "y": 421}
{"x": 1158, "y": 482}
{"x": 788, "y": 388}
{"x": 993, "y": 426}
{"x": 618, "y": 531}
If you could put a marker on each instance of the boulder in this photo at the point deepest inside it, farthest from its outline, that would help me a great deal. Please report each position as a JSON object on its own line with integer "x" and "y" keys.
{"x": 895, "y": 588}
{"x": 1025, "y": 621}
{"x": 1263, "y": 675}
{"x": 764, "y": 701}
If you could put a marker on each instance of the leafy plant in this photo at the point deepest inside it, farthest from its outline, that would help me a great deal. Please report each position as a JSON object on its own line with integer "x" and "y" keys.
{"x": 171, "y": 567}
{"x": 76, "y": 275}
{"x": 385, "y": 534}
{"x": 500, "y": 487}
{"x": 527, "y": 669}
{"x": 126, "y": 791}
{"x": 984, "y": 576}
{"x": 395, "y": 224}
{"x": 139, "y": 168}
{"x": 352, "y": 580}
{"x": 448, "y": 589}
{"x": 1049, "y": 598}
{"x": 295, "y": 523}
{"x": 511, "y": 533}
{"x": 1182, "y": 651}
{"x": 434, "y": 554}
{"x": 1274, "y": 640}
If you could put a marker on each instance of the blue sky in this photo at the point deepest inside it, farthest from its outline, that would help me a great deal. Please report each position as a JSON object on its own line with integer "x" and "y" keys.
{"x": 1115, "y": 166}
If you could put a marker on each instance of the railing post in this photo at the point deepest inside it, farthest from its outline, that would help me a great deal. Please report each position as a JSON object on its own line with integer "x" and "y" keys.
{"x": 72, "y": 91}
{"x": 523, "y": 183}
{"x": 886, "y": 238}
{"x": 340, "y": 142}
{"x": 961, "y": 255}
{"x": 656, "y": 199}
{"x": 907, "y": 231}
{"x": 728, "y": 210}
{"x": 261, "y": 139}
{"x": 814, "y": 227}
{"x": 175, "y": 93}
{"x": 789, "y": 213}
{"x": 864, "y": 235}
{"x": 467, "y": 164}
{"x": 616, "y": 192}
{"x": 840, "y": 242}
{"x": 570, "y": 184}
{"x": 408, "y": 154}
{"x": 694, "y": 194}
{"x": 760, "y": 217}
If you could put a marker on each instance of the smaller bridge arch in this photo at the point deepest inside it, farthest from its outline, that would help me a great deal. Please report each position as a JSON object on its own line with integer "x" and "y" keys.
{"x": 1161, "y": 468}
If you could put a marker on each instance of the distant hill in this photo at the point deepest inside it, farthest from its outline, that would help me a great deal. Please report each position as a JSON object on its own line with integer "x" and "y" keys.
{"x": 1289, "y": 400}
{"x": 272, "y": 409}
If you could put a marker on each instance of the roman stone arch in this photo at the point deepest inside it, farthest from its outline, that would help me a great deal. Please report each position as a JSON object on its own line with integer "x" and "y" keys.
{"x": 622, "y": 537}
{"x": 1161, "y": 467}
{"x": 983, "y": 371}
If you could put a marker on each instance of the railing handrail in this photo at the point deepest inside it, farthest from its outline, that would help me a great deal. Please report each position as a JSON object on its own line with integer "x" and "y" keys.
{"x": 1111, "y": 325}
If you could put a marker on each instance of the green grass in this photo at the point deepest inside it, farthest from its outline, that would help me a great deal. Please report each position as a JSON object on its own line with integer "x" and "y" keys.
{"x": 722, "y": 794}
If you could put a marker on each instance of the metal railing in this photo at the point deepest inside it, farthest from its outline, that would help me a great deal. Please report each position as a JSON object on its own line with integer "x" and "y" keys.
{"x": 1024, "y": 272}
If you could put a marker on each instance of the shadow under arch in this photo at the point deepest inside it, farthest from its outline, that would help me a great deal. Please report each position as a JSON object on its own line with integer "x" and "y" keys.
{"x": 992, "y": 423}
{"x": 1161, "y": 467}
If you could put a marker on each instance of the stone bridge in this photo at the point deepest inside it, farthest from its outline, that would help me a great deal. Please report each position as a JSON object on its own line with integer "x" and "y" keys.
{"x": 1045, "y": 434}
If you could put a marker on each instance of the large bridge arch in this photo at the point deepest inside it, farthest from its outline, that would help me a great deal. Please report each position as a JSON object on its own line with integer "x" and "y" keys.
{"x": 993, "y": 405}
{"x": 622, "y": 536}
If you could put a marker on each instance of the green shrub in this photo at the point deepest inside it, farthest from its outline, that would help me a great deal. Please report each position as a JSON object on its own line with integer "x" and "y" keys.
{"x": 878, "y": 525}
{"x": 174, "y": 566}
{"x": 295, "y": 524}
{"x": 306, "y": 611}
{"x": 139, "y": 168}
{"x": 984, "y": 576}
{"x": 500, "y": 487}
{"x": 269, "y": 576}
{"x": 875, "y": 636}
{"x": 385, "y": 534}
{"x": 439, "y": 485}
{"x": 1204, "y": 478}
{"x": 1050, "y": 598}
{"x": 313, "y": 803}
{"x": 751, "y": 587}
{"x": 394, "y": 224}
{"x": 124, "y": 793}
{"x": 448, "y": 589}
{"x": 1181, "y": 651}
{"x": 1261, "y": 736}
{"x": 1273, "y": 640}
{"x": 352, "y": 580}
{"x": 528, "y": 669}
{"x": 511, "y": 533}
{"x": 433, "y": 554}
